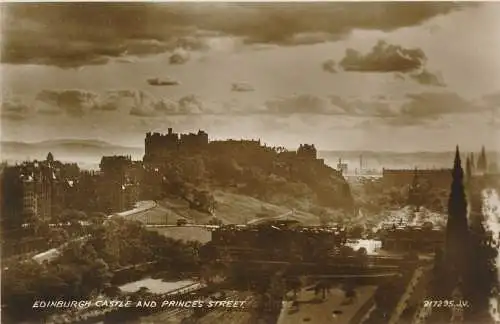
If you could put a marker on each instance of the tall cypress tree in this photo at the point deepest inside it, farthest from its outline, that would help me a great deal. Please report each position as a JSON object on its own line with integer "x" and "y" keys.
{"x": 456, "y": 227}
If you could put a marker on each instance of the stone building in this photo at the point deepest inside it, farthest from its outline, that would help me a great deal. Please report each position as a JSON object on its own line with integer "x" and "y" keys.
{"x": 118, "y": 183}
{"x": 307, "y": 151}
{"x": 159, "y": 145}
{"x": 34, "y": 189}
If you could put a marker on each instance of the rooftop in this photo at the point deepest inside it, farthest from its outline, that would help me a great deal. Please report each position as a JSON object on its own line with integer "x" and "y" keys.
{"x": 335, "y": 308}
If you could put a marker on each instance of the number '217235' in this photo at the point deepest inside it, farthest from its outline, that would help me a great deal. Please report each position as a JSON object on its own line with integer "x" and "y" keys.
{"x": 446, "y": 303}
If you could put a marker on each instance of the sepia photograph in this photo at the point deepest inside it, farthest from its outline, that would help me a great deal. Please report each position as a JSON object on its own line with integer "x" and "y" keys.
{"x": 250, "y": 162}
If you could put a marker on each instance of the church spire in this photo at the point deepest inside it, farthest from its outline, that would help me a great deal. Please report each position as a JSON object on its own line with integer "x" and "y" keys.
{"x": 458, "y": 172}
{"x": 468, "y": 168}
{"x": 482, "y": 164}
{"x": 456, "y": 227}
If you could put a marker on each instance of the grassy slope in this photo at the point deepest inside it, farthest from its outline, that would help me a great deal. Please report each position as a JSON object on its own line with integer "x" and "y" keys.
{"x": 231, "y": 209}
{"x": 239, "y": 209}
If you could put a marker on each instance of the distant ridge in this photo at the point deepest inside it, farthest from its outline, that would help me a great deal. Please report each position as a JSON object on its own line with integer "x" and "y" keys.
{"x": 81, "y": 151}
{"x": 90, "y": 152}
{"x": 67, "y": 141}
{"x": 364, "y": 159}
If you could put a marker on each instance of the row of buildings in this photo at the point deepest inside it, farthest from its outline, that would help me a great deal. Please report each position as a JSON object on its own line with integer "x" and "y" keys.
{"x": 438, "y": 178}
{"x": 277, "y": 241}
{"x": 43, "y": 189}
{"x": 35, "y": 189}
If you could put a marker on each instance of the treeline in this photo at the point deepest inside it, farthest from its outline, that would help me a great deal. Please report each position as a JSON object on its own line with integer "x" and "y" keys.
{"x": 375, "y": 197}
{"x": 86, "y": 269}
{"x": 38, "y": 235}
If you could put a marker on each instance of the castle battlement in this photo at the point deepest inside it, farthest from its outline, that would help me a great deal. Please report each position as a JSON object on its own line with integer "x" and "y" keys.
{"x": 158, "y": 144}
{"x": 307, "y": 151}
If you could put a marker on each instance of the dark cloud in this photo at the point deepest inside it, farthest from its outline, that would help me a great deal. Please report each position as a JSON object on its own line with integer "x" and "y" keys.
{"x": 427, "y": 78}
{"x": 147, "y": 105}
{"x": 310, "y": 38}
{"x": 154, "y": 108}
{"x": 162, "y": 82}
{"x": 433, "y": 104}
{"x": 415, "y": 109}
{"x": 408, "y": 63}
{"x": 192, "y": 105}
{"x": 384, "y": 57}
{"x": 74, "y": 102}
{"x": 358, "y": 107}
{"x": 118, "y": 100}
{"x": 76, "y": 34}
{"x": 329, "y": 66}
{"x": 242, "y": 87}
{"x": 425, "y": 108}
{"x": 14, "y": 109}
{"x": 301, "y": 104}
{"x": 77, "y": 103}
{"x": 179, "y": 57}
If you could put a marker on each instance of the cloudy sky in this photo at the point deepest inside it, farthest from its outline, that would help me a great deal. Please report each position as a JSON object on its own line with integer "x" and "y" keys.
{"x": 381, "y": 76}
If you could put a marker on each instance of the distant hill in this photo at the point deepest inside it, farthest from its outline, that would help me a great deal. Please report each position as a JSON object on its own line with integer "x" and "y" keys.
{"x": 87, "y": 153}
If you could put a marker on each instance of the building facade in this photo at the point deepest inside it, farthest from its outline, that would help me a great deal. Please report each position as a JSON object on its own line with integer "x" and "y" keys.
{"x": 33, "y": 189}
{"x": 159, "y": 145}
{"x": 118, "y": 183}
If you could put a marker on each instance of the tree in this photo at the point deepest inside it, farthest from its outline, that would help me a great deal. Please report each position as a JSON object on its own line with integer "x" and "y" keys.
{"x": 71, "y": 215}
{"x": 203, "y": 201}
{"x": 356, "y": 231}
{"x": 277, "y": 287}
{"x": 349, "y": 291}
{"x": 215, "y": 221}
{"x": 19, "y": 289}
{"x": 193, "y": 169}
{"x": 295, "y": 284}
{"x": 97, "y": 218}
{"x": 58, "y": 236}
